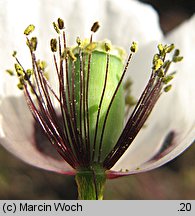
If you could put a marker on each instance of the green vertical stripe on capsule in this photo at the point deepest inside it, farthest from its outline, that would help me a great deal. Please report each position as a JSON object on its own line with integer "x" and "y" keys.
{"x": 115, "y": 121}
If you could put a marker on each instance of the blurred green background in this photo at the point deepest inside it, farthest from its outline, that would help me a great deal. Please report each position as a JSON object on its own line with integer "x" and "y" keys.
{"x": 176, "y": 180}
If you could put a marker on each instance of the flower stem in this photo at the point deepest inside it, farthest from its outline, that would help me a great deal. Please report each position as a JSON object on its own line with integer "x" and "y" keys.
{"x": 90, "y": 182}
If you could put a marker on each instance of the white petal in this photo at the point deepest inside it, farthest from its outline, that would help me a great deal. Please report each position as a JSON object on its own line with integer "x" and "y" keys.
{"x": 183, "y": 114}
{"x": 145, "y": 144}
{"x": 173, "y": 113}
{"x": 160, "y": 160}
{"x": 14, "y": 18}
{"x": 17, "y": 135}
{"x": 121, "y": 21}
{"x": 126, "y": 21}
{"x": 140, "y": 67}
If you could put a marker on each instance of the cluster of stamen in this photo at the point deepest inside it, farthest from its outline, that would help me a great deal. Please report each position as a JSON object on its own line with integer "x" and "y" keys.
{"x": 71, "y": 135}
{"x": 158, "y": 81}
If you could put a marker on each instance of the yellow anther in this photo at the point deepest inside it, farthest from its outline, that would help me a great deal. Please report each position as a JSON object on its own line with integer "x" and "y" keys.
{"x": 169, "y": 48}
{"x": 10, "y": 72}
{"x": 20, "y": 86}
{"x": 56, "y": 28}
{"x": 90, "y": 47}
{"x": 29, "y": 29}
{"x": 71, "y": 54}
{"x": 161, "y": 73}
{"x": 28, "y": 74}
{"x": 130, "y": 100}
{"x": 14, "y": 54}
{"x": 53, "y": 45}
{"x": 42, "y": 64}
{"x": 21, "y": 83}
{"x": 60, "y": 23}
{"x": 157, "y": 64}
{"x": 177, "y": 58}
{"x": 107, "y": 47}
{"x": 78, "y": 40}
{"x": 19, "y": 70}
{"x": 167, "y": 79}
{"x": 95, "y": 27}
{"x": 167, "y": 88}
{"x": 177, "y": 52}
{"x": 155, "y": 58}
{"x": 128, "y": 83}
{"x": 166, "y": 63}
{"x": 134, "y": 47}
{"x": 33, "y": 43}
{"x": 160, "y": 48}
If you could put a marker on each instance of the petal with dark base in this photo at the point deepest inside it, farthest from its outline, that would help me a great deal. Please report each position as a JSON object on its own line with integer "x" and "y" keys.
{"x": 19, "y": 136}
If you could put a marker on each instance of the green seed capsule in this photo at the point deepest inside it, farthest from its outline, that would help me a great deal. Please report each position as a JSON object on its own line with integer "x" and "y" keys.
{"x": 99, "y": 66}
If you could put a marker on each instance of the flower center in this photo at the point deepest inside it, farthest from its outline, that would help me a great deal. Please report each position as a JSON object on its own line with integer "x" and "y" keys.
{"x": 90, "y": 99}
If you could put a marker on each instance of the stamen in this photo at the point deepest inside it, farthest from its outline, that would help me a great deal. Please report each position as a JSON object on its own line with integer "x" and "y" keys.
{"x": 63, "y": 103}
{"x": 110, "y": 104}
{"x": 177, "y": 58}
{"x": 81, "y": 98}
{"x": 75, "y": 69}
{"x": 29, "y": 30}
{"x": 95, "y": 27}
{"x": 145, "y": 104}
{"x": 167, "y": 88}
{"x": 14, "y": 54}
{"x": 56, "y": 27}
{"x": 60, "y": 23}
{"x": 32, "y": 43}
{"x": 21, "y": 83}
{"x": 10, "y": 72}
{"x": 19, "y": 70}
{"x": 53, "y": 44}
{"x": 43, "y": 93}
{"x": 87, "y": 102}
{"x": 167, "y": 79}
{"x": 134, "y": 47}
{"x": 77, "y": 144}
{"x": 69, "y": 116}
